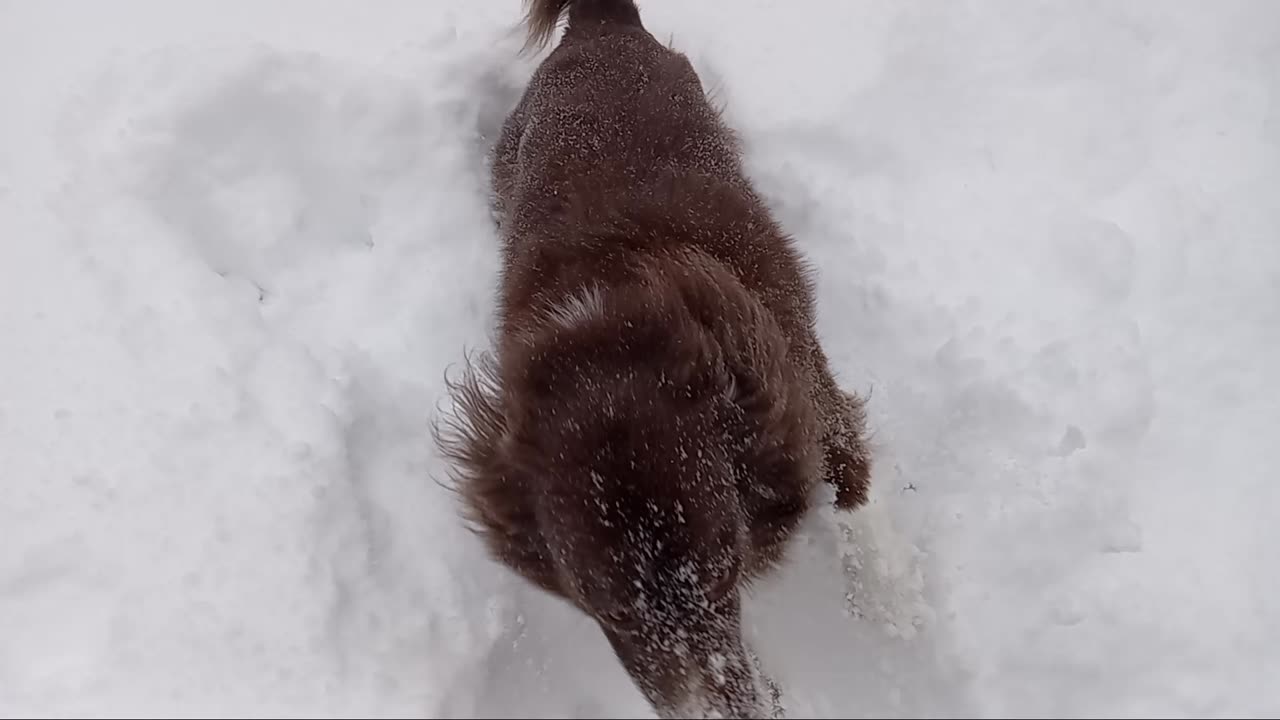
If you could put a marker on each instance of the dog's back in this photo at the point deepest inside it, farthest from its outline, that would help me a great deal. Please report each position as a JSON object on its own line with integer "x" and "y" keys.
{"x": 615, "y": 138}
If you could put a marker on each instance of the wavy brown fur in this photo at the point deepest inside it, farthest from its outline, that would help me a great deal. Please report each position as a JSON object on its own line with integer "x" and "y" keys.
{"x": 658, "y": 410}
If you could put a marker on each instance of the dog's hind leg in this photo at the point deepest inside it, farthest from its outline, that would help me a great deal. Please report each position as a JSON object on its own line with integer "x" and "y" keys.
{"x": 846, "y": 458}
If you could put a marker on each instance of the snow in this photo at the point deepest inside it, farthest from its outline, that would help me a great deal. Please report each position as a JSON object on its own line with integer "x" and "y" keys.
{"x": 241, "y": 243}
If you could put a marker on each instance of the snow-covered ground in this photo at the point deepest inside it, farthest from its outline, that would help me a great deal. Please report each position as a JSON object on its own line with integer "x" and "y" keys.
{"x": 241, "y": 242}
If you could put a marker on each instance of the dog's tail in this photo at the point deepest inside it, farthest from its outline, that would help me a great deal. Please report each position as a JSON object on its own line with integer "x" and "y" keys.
{"x": 542, "y": 16}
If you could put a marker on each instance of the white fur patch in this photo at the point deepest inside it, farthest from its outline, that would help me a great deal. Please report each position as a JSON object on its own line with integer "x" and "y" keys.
{"x": 583, "y": 307}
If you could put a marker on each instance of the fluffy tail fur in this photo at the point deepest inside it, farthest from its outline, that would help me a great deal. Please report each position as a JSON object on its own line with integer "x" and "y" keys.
{"x": 542, "y": 16}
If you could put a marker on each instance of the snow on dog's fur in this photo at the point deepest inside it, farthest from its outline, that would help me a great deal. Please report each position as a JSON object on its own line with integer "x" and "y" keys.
{"x": 658, "y": 411}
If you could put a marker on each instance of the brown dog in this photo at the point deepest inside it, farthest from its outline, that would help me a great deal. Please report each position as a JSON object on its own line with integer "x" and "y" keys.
{"x": 659, "y": 411}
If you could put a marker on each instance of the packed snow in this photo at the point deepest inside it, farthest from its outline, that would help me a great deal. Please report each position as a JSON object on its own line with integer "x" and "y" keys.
{"x": 241, "y": 244}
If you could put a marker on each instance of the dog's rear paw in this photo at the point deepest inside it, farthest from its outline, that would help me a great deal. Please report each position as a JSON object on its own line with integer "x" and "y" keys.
{"x": 846, "y": 460}
{"x": 847, "y": 470}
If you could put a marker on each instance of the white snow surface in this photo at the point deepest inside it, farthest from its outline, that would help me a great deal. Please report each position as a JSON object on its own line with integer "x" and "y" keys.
{"x": 242, "y": 242}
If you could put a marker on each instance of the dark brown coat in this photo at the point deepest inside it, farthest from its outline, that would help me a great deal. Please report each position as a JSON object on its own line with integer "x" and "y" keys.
{"x": 658, "y": 411}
